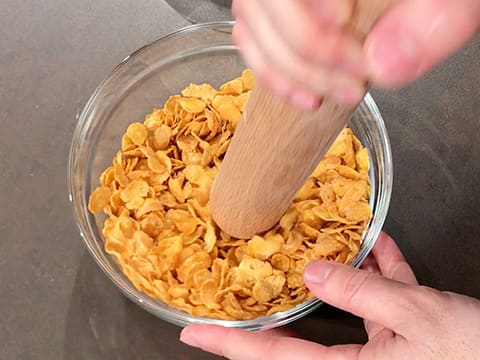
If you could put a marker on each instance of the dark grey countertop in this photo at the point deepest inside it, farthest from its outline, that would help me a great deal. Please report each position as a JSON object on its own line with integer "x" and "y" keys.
{"x": 55, "y": 303}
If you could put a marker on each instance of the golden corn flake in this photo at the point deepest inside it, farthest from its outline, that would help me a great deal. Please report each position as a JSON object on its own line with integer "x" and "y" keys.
{"x": 137, "y": 133}
{"x": 192, "y": 104}
{"x": 262, "y": 248}
{"x": 204, "y": 92}
{"x": 248, "y": 79}
{"x": 160, "y": 230}
{"x": 99, "y": 199}
{"x": 162, "y": 136}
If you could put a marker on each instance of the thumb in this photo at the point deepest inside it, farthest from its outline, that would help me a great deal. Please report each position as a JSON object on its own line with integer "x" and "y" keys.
{"x": 386, "y": 302}
{"x": 416, "y": 35}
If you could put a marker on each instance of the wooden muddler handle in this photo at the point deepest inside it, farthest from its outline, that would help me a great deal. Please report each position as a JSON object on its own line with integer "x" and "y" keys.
{"x": 275, "y": 148}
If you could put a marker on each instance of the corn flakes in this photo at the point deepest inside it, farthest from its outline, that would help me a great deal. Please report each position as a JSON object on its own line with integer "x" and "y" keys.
{"x": 161, "y": 232}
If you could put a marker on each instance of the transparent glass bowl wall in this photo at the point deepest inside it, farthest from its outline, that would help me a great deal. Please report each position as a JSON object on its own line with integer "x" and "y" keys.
{"x": 144, "y": 80}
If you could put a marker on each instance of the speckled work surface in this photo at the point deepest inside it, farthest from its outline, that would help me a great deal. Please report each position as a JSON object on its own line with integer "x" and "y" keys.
{"x": 56, "y": 304}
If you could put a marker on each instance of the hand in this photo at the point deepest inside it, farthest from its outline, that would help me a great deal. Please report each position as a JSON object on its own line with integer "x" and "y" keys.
{"x": 403, "y": 320}
{"x": 301, "y": 49}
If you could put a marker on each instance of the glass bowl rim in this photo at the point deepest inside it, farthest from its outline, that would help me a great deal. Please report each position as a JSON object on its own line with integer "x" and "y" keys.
{"x": 264, "y": 322}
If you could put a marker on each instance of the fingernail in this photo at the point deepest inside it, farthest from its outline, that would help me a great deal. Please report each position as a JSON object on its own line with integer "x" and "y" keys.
{"x": 396, "y": 52}
{"x": 348, "y": 95}
{"x": 317, "y": 272}
{"x": 188, "y": 338}
{"x": 305, "y": 101}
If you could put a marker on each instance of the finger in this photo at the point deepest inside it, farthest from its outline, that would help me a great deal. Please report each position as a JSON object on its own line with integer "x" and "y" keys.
{"x": 385, "y": 342}
{"x": 370, "y": 264}
{"x": 393, "y": 266}
{"x": 336, "y": 13}
{"x": 281, "y": 332}
{"x": 236, "y": 344}
{"x": 290, "y": 90}
{"x": 416, "y": 35}
{"x": 343, "y": 88}
{"x": 391, "y": 262}
{"x": 269, "y": 75}
{"x": 372, "y": 328}
{"x": 235, "y": 5}
{"x": 312, "y": 40}
{"x": 370, "y": 296}
{"x": 273, "y": 48}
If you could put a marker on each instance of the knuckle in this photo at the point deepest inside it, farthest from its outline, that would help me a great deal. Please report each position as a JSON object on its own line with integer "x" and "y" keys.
{"x": 434, "y": 305}
{"x": 424, "y": 302}
{"x": 410, "y": 302}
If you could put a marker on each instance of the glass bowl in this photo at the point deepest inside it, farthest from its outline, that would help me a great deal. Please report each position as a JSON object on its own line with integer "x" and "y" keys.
{"x": 144, "y": 80}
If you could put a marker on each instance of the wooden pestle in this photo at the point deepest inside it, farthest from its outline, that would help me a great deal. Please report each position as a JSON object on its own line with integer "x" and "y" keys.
{"x": 276, "y": 147}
